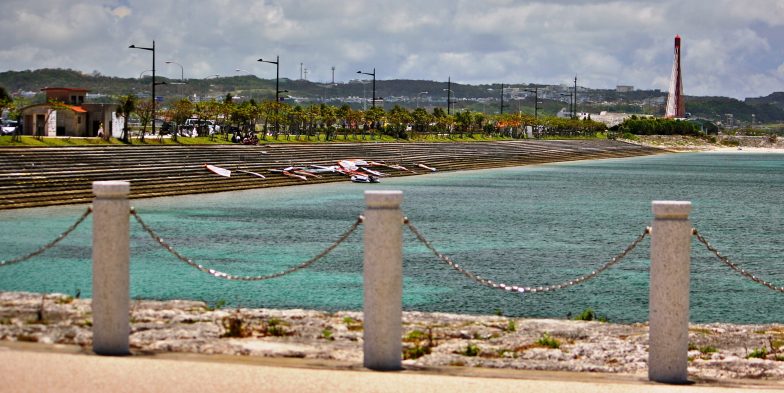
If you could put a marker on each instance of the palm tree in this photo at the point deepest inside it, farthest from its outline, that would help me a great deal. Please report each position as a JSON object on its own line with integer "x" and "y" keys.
{"x": 127, "y": 105}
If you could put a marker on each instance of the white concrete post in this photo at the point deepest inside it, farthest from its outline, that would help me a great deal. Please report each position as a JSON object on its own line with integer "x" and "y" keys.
{"x": 383, "y": 275}
{"x": 111, "y": 296}
{"x": 669, "y": 292}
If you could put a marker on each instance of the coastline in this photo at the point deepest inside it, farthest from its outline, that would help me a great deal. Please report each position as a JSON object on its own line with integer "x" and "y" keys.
{"x": 717, "y": 351}
{"x": 723, "y": 144}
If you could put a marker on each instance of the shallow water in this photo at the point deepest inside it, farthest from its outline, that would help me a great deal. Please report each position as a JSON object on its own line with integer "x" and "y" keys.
{"x": 531, "y": 225}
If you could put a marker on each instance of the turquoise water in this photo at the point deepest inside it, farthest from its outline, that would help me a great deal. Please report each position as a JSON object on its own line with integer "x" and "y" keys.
{"x": 532, "y": 225}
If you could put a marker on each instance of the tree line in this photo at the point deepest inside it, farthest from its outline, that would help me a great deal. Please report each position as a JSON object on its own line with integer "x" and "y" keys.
{"x": 275, "y": 120}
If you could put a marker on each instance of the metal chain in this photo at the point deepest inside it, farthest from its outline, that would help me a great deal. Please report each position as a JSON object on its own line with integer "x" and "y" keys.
{"x": 50, "y": 244}
{"x": 519, "y": 288}
{"x": 232, "y": 277}
{"x": 733, "y": 266}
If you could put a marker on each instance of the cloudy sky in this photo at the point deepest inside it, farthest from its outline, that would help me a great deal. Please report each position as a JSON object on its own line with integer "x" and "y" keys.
{"x": 730, "y": 48}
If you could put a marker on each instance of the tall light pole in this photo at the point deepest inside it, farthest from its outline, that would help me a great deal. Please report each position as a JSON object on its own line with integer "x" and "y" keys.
{"x": 277, "y": 88}
{"x": 182, "y": 70}
{"x": 502, "y": 98}
{"x": 571, "y": 102}
{"x": 373, "y": 74}
{"x": 152, "y": 49}
{"x": 535, "y": 90}
{"x": 575, "y": 96}
{"x": 449, "y": 95}
{"x": 419, "y": 94}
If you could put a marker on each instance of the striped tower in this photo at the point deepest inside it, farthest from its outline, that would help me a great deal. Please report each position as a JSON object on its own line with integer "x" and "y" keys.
{"x": 675, "y": 106}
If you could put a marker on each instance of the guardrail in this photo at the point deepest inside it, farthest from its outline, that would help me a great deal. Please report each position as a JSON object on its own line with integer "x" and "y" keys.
{"x": 383, "y": 221}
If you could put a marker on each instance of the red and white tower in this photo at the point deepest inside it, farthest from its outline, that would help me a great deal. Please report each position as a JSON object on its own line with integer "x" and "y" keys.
{"x": 675, "y": 104}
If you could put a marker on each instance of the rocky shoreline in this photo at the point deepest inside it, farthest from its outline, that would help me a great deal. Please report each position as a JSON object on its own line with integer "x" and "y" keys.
{"x": 717, "y": 351}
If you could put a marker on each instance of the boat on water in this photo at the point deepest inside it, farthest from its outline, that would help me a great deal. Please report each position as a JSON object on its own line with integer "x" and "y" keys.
{"x": 218, "y": 170}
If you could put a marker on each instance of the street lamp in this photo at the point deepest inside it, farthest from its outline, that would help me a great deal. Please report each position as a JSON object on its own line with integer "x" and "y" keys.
{"x": 373, "y": 74}
{"x": 152, "y": 49}
{"x": 502, "y": 98}
{"x": 571, "y": 105}
{"x": 277, "y": 88}
{"x": 417, "y": 98}
{"x": 535, "y": 90}
{"x": 182, "y": 71}
{"x": 449, "y": 92}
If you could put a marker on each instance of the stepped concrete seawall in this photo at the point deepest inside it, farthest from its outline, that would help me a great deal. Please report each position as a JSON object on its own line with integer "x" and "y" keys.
{"x": 32, "y": 177}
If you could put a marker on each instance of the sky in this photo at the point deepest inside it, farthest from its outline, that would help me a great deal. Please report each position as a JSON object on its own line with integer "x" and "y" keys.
{"x": 730, "y": 48}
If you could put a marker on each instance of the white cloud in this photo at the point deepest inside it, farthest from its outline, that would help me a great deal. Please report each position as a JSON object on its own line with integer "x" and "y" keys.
{"x": 730, "y": 48}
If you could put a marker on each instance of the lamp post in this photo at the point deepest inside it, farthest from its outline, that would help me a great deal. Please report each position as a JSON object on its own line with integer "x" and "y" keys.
{"x": 182, "y": 70}
{"x": 417, "y": 98}
{"x": 277, "y": 88}
{"x": 535, "y": 90}
{"x": 373, "y": 74}
{"x": 502, "y": 98}
{"x": 152, "y": 49}
{"x": 571, "y": 104}
{"x": 575, "y": 96}
{"x": 448, "y": 91}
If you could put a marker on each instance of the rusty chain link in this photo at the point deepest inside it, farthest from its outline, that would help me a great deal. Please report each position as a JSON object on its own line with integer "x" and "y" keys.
{"x": 50, "y": 244}
{"x": 733, "y": 266}
{"x": 519, "y": 288}
{"x": 232, "y": 277}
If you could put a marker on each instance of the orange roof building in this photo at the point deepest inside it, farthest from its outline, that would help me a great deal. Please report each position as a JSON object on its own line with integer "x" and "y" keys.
{"x": 65, "y": 113}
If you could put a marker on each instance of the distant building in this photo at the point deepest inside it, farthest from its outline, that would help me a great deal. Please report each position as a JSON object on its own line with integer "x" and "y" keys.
{"x": 72, "y": 117}
{"x": 624, "y": 89}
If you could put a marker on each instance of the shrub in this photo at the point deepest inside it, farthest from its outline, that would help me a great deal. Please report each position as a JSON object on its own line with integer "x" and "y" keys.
{"x": 759, "y": 353}
{"x": 471, "y": 350}
{"x": 275, "y": 327}
{"x": 548, "y": 341}
{"x": 708, "y": 349}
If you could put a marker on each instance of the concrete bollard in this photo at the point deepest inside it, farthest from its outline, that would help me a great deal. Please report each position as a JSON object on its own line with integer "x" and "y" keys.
{"x": 111, "y": 296}
{"x": 383, "y": 275}
{"x": 669, "y": 292}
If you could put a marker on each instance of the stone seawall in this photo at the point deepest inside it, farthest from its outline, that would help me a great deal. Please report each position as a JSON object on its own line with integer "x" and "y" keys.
{"x": 31, "y": 177}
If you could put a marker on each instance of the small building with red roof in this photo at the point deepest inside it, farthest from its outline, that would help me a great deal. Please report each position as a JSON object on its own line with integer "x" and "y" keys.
{"x": 65, "y": 113}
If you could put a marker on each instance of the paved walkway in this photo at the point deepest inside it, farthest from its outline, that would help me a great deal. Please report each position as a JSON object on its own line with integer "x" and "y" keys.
{"x": 46, "y": 368}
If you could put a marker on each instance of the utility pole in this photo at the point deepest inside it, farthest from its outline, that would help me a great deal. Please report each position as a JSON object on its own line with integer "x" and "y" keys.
{"x": 300, "y": 71}
{"x": 575, "y": 97}
{"x": 333, "y": 75}
{"x": 502, "y": 98}
{"x": 449, "y": 95}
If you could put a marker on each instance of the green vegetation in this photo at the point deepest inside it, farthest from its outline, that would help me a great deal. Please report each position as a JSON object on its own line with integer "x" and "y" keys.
{"x": 326, "y": 334}
{"x": 352, "y": 324}
{"x": 511, "y": 326}
{"x": 471, "y": 350}
{"x": 708, "y": 349}
{"x": 217, "y": 306}
{"x": 651, "y": 126}
{"x": 548, "y": 341}
{"x": 589, "y": 315}
{"x": 275, "y": 327}
{"x": 759, "y": 353}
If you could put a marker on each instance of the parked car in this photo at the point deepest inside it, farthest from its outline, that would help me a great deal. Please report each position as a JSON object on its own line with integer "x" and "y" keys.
{"x": 8, "y": 127}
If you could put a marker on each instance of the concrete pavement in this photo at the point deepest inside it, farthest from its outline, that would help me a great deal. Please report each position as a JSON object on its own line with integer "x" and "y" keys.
{"x": 27, "y": 367}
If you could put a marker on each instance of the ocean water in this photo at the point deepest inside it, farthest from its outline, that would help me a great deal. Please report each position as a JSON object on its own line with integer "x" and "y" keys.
{"x": 532, "y": 225}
